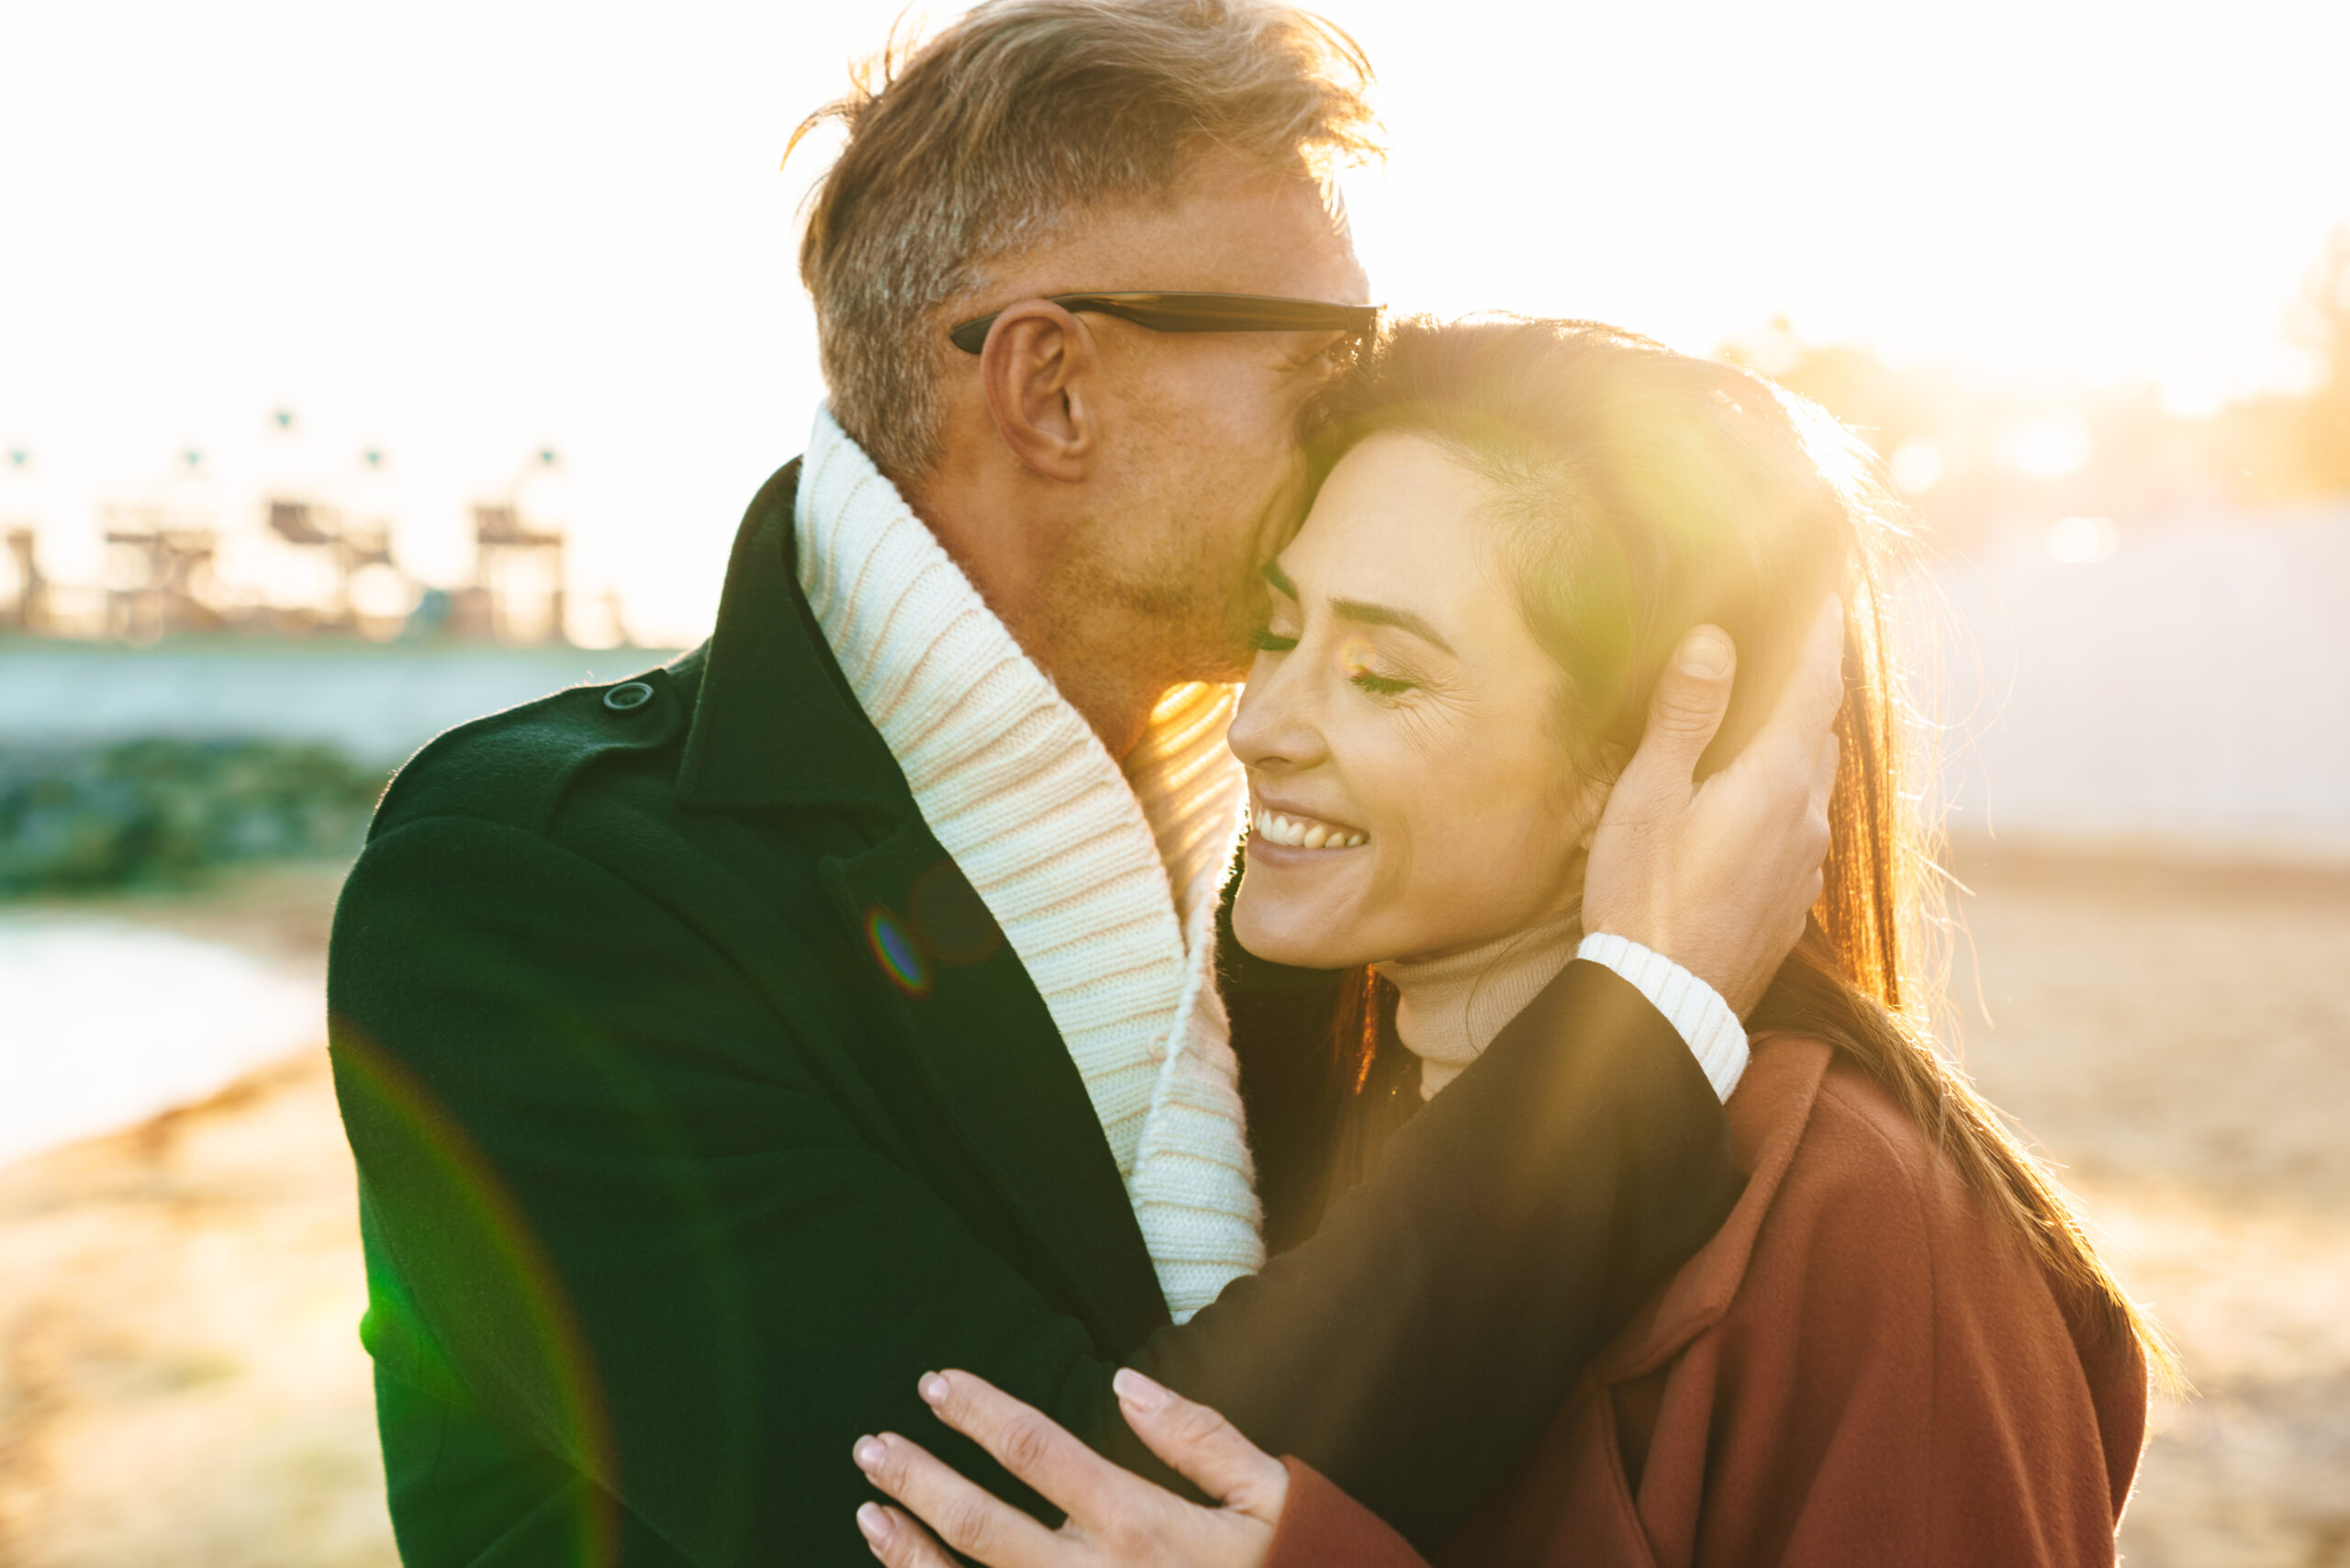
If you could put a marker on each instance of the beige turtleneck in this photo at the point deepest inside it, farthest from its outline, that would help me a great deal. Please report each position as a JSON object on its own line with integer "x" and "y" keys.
{"x": 1449, "y": 1009}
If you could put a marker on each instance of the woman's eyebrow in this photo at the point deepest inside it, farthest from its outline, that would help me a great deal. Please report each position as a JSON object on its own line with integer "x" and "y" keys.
{"x": 1388, "y": 615}
{"x": 1358, "y": 610}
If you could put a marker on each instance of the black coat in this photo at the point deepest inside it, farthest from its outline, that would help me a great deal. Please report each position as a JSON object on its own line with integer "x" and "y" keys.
{"x": 699, "y": 1106}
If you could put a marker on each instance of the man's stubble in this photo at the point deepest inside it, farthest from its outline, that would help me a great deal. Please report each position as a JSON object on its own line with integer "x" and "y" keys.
{"x": 1188, "y": 610}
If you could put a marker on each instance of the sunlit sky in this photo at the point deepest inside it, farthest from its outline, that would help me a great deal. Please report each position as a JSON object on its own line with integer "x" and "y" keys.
{"x": 462, "y": 231}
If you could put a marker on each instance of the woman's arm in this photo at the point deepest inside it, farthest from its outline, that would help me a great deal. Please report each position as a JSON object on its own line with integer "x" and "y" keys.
{"x": 1273, "y": 1514}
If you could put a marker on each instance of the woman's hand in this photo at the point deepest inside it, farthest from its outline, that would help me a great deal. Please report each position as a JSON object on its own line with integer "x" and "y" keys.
{"x": 1116, "y": 1519}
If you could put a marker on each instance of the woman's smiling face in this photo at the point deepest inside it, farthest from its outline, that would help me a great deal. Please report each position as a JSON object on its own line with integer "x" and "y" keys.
{"x": 1410, "y": 795}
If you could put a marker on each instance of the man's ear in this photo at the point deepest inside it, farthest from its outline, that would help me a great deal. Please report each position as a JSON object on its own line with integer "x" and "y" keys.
{"x": 1040, "y": 371}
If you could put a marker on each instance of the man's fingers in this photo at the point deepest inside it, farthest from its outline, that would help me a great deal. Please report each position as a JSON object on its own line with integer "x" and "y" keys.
{"x": 1823, "y": 774}
{"x": 1806, "y": 708}
{"x": 1203, "y": 1447}
{"x": 969, "y": 1518}
{"x": 1024, "y": 1439}
{"x": 898, "y": 1540}
{"x": 1692, "y": 695}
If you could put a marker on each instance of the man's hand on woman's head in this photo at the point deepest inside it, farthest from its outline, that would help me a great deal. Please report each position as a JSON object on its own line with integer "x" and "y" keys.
{"x": 1116, "y": 1519}
{"x": 1719, "y": 877}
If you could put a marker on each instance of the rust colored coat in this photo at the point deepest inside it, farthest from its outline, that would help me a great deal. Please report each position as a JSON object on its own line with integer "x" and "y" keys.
{"x": 1857, "y": 1369}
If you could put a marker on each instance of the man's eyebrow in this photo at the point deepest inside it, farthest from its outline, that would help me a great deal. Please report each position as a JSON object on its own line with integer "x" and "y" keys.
{"x": 1388, "y": 615}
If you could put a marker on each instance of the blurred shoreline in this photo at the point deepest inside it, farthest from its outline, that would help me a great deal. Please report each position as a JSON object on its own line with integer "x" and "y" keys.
{"x": 377, "y": 701}
{"x": 123, "y": 1004}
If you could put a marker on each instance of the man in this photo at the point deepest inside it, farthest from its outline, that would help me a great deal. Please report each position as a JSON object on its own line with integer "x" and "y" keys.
{"x": 722, "y": 1049}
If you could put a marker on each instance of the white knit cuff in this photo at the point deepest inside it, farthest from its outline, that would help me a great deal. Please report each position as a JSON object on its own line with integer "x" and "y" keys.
{"x": 1696, "y": 1010}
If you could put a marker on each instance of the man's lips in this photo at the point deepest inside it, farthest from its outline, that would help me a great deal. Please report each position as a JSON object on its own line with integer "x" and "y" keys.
{"x": 1295, "y": 830}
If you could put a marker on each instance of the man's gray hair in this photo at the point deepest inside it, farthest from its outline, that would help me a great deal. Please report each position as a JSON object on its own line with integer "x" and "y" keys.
{"x": 977, "y": 143}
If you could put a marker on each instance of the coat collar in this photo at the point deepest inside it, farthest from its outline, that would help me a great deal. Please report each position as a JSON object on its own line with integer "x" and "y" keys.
{"x": 776, "y": 723}
{"x": 997, "y": 1067}
{"x": 1767, "y": 1118}
{"x": 777, "y": 726}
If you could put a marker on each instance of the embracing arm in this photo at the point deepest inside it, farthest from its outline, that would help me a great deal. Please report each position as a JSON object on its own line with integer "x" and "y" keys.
{"x": 1411, "y": 1350}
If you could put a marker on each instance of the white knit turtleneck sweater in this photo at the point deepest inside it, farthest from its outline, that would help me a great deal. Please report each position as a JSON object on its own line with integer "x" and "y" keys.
{"x": 1104, "y": 878}
{"x": 1449, "y": 1009}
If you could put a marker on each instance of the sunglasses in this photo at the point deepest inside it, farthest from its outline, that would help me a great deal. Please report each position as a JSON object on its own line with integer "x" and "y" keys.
{"x": 1198, "y": 313}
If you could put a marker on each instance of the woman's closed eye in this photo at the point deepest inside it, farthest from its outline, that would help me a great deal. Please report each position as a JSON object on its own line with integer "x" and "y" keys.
{"x": 1363, "y": 660}
{"x": 1372, "y": 667}
{"x": 1361, "y": 671}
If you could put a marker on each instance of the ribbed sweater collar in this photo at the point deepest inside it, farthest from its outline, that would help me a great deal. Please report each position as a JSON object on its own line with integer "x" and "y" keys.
{"x": 1104, "y": 878}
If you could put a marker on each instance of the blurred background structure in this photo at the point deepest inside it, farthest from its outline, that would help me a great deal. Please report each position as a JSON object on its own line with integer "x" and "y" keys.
{"x": 273, "y": 515}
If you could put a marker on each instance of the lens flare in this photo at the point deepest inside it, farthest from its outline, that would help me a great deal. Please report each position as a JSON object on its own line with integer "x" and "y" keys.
{"x": 393, "y": 1114}
{"x": 896, "y": 951}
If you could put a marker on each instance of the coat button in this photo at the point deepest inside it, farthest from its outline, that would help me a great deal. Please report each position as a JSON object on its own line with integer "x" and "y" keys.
{"x": 628, "y": 695}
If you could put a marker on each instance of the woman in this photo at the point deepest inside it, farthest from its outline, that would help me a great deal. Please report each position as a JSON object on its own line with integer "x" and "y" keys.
{"x": 1900, "y": 1345}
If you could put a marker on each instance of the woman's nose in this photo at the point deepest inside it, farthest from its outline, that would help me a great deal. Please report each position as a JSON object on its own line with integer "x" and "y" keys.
{"x": 1273, "y": 727}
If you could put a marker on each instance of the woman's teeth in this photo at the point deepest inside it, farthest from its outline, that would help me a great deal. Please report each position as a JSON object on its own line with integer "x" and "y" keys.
{"x": 1305, "y": 833}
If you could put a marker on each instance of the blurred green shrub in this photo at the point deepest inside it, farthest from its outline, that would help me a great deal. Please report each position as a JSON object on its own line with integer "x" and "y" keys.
{"x": 157, "y": 810}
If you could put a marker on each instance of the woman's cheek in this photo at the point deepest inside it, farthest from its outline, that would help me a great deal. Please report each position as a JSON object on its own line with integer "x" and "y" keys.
{"x": 1389, "y": 896}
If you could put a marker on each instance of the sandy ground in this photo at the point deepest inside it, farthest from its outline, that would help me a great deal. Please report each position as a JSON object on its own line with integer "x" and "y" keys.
{"x": 180, "y": 1380}
{"x": 2179, "y": 1040}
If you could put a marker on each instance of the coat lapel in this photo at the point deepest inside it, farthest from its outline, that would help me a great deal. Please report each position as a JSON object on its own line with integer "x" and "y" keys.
{"x": 997, "y": 1064}
{"x": 775, "y": 722}
{"x": 776, "y": 725}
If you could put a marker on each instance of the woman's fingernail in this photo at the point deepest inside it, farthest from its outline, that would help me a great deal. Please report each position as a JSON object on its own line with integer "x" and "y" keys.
{"x": 871, "y": 1452}
{"x": 933, "y": 1388}
{"x": 1138, "y": 1390}
{"x": 1705, "y": 653}
{"x": 872, "y": 1523}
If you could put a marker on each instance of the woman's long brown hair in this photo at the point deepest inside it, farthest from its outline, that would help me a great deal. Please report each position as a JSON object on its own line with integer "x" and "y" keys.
{"x": 1639, "y": 492}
